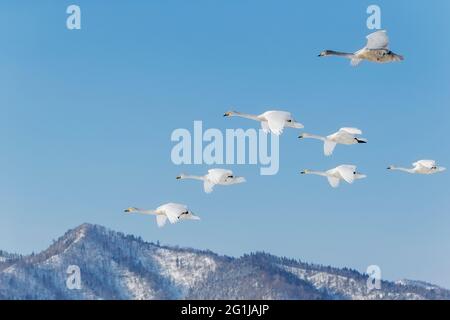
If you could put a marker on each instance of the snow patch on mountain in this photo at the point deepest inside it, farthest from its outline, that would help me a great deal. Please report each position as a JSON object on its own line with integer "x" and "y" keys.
{"x": 118, "y": 266}
{"x": 185, "y": 269}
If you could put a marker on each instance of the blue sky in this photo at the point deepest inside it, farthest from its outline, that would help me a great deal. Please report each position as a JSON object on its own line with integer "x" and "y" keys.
{"x": 86, "y": 119}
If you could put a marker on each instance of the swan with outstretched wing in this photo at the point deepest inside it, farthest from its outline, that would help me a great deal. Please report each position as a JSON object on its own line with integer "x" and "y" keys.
{"x": 174, "y": 212}
{"x": 375, "y": 50}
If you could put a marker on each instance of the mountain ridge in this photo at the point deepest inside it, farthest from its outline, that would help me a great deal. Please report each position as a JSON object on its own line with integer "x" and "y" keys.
{"x": 114, "y": 265}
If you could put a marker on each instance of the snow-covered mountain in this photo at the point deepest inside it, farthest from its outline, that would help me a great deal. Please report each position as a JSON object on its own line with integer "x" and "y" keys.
{"x": 6, "y": 257}
{"x": 117, "y": 266}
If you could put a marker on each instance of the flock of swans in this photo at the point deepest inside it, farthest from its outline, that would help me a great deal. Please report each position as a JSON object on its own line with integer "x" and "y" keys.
{"x": 274, "y": 121}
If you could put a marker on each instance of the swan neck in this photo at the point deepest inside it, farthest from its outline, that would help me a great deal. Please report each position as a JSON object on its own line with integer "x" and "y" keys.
{"x": 313, "y": 136}
{"x": 403, "y": 169}
{"x": 339, "y": 54}
{"x": 247, "y": 116}
{"x": 319, "y": 173}
{"x": 193, "y": 177}
{"x": 142, "y": 211}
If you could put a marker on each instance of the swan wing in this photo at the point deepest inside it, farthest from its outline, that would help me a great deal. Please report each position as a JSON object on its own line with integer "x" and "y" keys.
{"x": 333, "y": 181}
{"x": 428, "y": 164}
{"x": 347, "y": 172}
{"x": 161, "y": 220}
{"x": 173, "y": 210}
{"x": 208, "y": 186}
{"x": 328, "y": 147}
{"x": 276, "y": 120}
{"x": 265, "y": 126}
{"x": 351, "y": 130}
{"x": 173, "y": 207}
{"x": 218, "y": 175}
{"x": 276, "y": 125}
{"x": 355, "y": 61}
{"x": 377, "y": 40}
{"x": 172, "y": 216}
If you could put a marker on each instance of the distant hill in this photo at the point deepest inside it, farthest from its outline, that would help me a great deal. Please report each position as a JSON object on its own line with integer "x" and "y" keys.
{"x": 118, "y": 266}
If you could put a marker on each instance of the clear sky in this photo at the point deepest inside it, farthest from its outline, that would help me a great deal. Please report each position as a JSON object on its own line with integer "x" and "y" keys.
{"x": 86, "y": 119}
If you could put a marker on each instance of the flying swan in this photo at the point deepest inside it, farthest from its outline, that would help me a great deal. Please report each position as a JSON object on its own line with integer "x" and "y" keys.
{"x": 421, "y": 167}
{"x": 215, "y": 177}
{"x": 173, "y": 212}
{"x": 343, "y": 172}
{"x": 376, "y": 50}
{"x": 271, "y": 121}
{"x": 343, "y": 136}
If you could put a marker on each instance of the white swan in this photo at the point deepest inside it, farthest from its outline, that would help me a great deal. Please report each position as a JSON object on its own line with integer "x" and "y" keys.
{"x": 343, "y": 172}
{"x": 271, "y": 121}
{"x": 215, "y": 177}
{"x": 376, "y": 50}
{"x": 421, "y": 167}
{"x": 343, "y": 136}
{"x": 173, "y": 212}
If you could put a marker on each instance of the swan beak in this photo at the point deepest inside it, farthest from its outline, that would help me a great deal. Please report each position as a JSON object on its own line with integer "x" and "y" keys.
{"x": 389, "y": 168}
{"x": 178, "y": 178}
{"x": 226, "y": 114}
{"x": 300, "y": 136}
{"x": 302, "y": 172}
{"x": 126, "y": 210}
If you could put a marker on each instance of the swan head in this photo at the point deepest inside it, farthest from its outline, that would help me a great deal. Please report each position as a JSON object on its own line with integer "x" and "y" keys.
{"x": 359, "y": 175}
{"x": 304, "y": 135}
{"x": 131, "y": 210}
{"x": 229, "y": 113}
{"x": 324, "y": 53}
{"x": 390, "y": 168}
{"x": 306, "y": 171}
{"x": 181, "y": 176}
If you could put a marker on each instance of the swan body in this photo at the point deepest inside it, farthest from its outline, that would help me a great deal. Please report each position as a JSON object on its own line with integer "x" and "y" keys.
{"x": 421, "y": 167}
{"x": 344, "y": 172}
{"x": 346, "y": 136}
{"x": 215, "y": 177}
{"x": 271, "y": 121}
{"x": 173, "y": 212}
{"x": 376, "y": 50}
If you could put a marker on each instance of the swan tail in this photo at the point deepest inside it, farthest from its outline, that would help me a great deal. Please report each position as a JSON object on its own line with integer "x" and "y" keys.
{"x": 360, "y": 176}
{"x": 240, "y": 180}
{"x": 361, "y": 140}
{"x": 295, "y": 125}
